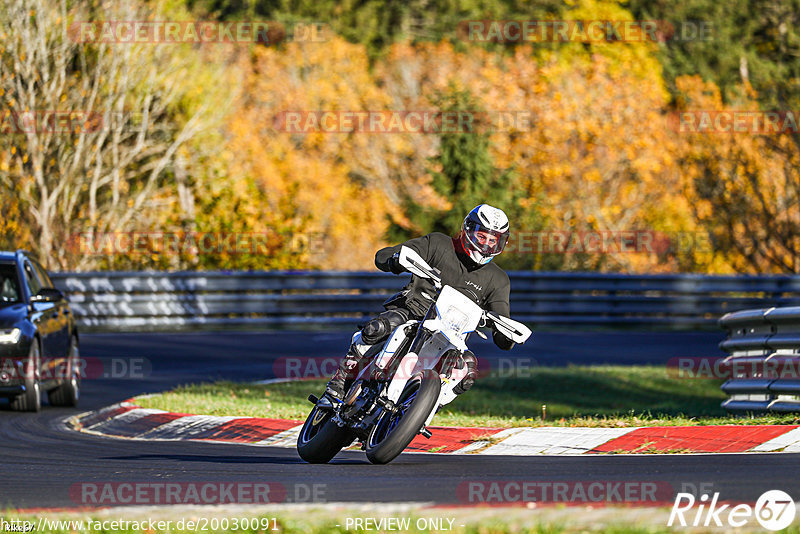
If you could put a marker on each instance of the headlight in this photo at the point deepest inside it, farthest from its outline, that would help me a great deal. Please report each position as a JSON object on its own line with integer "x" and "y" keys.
{"x": 454, "y": 319}
{"x": 9, "y": 336}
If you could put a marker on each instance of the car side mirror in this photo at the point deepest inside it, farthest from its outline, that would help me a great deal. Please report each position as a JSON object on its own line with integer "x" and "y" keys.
{"x": 48, "y": 294}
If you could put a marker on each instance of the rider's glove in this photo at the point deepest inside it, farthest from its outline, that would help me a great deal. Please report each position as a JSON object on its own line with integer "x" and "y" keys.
{"x": 501, "y": 340}
{"x": 394, "y": 263}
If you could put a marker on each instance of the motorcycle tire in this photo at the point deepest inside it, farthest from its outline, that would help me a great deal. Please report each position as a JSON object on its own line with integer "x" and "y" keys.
{"x": 321, "y": 439}
{"x": 392, "y": 433}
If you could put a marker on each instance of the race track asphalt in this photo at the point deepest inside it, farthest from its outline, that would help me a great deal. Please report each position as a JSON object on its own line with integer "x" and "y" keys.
{"x": 42, "y": 459}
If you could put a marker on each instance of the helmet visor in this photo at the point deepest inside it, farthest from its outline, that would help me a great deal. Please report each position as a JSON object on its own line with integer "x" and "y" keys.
{"x": 485, "y": 240}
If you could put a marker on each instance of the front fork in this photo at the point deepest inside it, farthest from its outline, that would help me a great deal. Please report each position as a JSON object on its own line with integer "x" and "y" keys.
{"x": 402, "y": 368}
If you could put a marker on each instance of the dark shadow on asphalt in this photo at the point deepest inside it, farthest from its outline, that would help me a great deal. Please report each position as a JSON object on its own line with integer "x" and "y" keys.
{"x": 223, "y": 459}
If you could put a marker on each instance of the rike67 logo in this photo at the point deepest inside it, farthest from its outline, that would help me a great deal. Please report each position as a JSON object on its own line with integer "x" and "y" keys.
{"x": 774, "y": 510}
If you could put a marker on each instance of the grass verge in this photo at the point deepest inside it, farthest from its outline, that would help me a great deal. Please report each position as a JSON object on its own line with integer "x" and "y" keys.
{"x": 592, "y": 396}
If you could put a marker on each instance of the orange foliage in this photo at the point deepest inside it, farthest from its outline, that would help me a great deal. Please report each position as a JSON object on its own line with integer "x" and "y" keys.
{"x": 343, "y": 184}
{"x": 590, "y": 139}
{"x": 597, "y": 148}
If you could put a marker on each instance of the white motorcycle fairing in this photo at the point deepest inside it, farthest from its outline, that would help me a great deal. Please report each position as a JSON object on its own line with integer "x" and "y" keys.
{"x": 456, "y": 316}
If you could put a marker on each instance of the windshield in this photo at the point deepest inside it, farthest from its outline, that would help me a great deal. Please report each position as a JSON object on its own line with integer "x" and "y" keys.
{"x": 9, "y": 284}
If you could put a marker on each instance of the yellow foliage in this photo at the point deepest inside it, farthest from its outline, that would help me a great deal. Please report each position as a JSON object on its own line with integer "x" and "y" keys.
{"x": 742, "y": 186}
{"x": 597, "y": 148}
{"x": 590, "y": 138}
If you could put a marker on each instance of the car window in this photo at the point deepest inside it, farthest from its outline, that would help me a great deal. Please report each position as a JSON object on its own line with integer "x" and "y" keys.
{"x": 31, "y": 279}
{"x": 43, "y": 276}
{"x": 9, "y": 285}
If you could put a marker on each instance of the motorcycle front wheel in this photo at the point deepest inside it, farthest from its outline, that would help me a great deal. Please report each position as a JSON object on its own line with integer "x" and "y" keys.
{"x": 320, "y": 438}
{"x": 394, "y": 431}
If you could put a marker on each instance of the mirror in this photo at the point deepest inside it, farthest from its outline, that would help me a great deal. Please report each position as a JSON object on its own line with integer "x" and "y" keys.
{"x": 48, "y": 294}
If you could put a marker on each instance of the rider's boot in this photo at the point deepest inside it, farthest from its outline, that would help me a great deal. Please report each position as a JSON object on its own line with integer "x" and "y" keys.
{"x": 347, "y": 369}
{"x": 375, "y": 331}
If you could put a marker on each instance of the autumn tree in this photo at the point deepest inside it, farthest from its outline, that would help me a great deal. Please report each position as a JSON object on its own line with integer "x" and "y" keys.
{"x": 744, "y": 187}
{"x": 339, "y": 186}
{"x": 377, "y": 24}
{"x": 128, "y": 111}
{"x": 464, "y": 175}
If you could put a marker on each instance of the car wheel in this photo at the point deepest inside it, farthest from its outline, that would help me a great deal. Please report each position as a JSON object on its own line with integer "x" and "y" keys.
{"x": 31, "y": 400}
{"x": 68, "y": 392}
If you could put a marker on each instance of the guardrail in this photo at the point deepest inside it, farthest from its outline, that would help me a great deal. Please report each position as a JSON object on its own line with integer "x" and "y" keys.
{"x": 764, "y": 361}
{"x": 140, "y": 300}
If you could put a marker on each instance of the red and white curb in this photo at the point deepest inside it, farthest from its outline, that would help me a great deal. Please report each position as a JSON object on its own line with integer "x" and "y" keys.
{"x": 127, "y": 420}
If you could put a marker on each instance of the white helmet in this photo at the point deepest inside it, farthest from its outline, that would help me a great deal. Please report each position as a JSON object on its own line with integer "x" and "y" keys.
{"x": 484, "y": 233}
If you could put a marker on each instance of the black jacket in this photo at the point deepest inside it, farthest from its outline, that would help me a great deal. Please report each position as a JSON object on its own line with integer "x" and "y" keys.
{"x": 487, "y": 285}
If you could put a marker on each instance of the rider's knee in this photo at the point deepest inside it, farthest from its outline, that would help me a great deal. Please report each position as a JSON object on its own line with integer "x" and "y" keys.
{"x": 375, "y": 330}
{"x": 379, "y": 328}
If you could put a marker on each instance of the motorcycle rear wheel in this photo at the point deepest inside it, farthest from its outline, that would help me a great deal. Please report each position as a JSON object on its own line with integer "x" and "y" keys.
{"x": 320, "y": 438}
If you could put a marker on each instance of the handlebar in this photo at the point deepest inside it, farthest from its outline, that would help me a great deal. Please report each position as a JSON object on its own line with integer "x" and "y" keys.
{"x": 414, "y": 264}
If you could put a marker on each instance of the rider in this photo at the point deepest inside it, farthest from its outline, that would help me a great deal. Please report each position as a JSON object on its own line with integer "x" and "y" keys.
{"x": 465, "y": 264}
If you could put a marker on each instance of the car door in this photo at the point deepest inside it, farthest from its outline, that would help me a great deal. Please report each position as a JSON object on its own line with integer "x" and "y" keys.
{"x": 61, "y": 333}
{"x": 44, "y": 313}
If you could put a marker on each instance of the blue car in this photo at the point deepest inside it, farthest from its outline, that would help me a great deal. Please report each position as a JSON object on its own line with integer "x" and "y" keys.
{"x": 38, "y": 337}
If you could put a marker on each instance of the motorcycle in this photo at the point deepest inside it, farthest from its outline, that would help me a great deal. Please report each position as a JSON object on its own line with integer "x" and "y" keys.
{"x": 408, "y": 379}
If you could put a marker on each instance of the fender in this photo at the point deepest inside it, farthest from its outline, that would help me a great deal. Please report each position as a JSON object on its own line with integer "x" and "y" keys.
{"x": 414, "y": 363}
